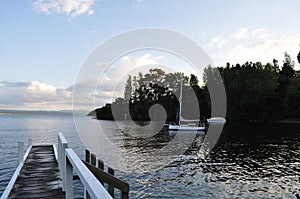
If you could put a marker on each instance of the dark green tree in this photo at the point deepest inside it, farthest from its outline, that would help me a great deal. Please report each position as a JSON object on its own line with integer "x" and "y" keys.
{"x": 250, "y": 89}
{"x": 288, "y": 66}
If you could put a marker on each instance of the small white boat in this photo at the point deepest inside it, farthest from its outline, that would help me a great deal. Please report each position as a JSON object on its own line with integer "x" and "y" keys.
{"x": 216, "y": 120}
{"x": 183, "y": 124}
{"x": 187, "y": 127}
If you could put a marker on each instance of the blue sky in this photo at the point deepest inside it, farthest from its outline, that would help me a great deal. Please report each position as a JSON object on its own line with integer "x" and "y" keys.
{"x": 43, "y": 43}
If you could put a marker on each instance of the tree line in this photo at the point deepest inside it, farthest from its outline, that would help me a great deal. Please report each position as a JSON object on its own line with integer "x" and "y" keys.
{"x": 254, "y": 91}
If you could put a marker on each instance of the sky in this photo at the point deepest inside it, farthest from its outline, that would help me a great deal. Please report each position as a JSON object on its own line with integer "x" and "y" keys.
{"x": 44, "y": 43}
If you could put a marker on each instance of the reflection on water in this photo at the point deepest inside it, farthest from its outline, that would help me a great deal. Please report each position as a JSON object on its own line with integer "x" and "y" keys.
{"x": 249, "y": 161}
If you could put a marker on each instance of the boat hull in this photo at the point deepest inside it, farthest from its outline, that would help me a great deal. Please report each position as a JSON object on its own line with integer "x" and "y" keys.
{"x": 216, "y": 120}
{"x": 186, "y": 128}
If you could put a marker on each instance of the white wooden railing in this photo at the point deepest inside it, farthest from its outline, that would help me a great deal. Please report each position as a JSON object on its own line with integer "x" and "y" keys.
{"x": 68, "y": 163}
{"x": 21, "y": 159}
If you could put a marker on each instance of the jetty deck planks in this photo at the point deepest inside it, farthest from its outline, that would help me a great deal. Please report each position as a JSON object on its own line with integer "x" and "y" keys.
{"x": 39, "y": 177}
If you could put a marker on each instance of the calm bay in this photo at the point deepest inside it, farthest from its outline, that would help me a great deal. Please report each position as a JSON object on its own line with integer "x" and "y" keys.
{"x": 250, "y": 160}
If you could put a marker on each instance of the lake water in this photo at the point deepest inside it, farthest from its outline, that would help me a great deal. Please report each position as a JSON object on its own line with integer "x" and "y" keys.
{"x": 249, "y": 161}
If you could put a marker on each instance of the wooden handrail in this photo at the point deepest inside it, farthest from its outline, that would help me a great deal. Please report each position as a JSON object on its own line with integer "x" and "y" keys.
{"x": 107, "y": 178}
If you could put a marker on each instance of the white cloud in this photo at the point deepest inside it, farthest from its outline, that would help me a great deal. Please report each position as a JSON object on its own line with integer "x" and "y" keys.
{"x": 116, "y": 76}
{"x": 70, "y": 7}
{"x": 37, "y": 87}
{"x": 261, "y": 33}
{"x": 242, "y": 33}
{"x": 139, "y": 3}
{"x": 129, "y": 63}
{"x": 41, "y": 96}
{"x": 218, "y": 42}
{"x": 33, "y": 95}
{"x": 159, "y": 57}
{"x": 259, "y": 44}
{"x": 91, "y": 12}
{"x": 98, "y": 89}
{"x": 92, "y": 91}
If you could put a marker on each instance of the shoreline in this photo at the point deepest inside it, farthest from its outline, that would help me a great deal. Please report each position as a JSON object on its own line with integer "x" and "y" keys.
{"x": 290, "y": 121}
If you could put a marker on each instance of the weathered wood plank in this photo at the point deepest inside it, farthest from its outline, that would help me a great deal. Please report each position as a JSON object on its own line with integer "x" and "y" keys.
{"x": 93, "y": 159}
{"x": 87, "y": 156}
{"x": 111, "y": 189}
{"x": 39, "y": 177}
{"x": 107, "y": 178}
{"x": 101, "y": 166}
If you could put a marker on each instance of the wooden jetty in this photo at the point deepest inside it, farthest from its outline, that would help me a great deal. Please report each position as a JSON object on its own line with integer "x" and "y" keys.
{"x": 39, "y": 177}
{"x": 47, "y": 171}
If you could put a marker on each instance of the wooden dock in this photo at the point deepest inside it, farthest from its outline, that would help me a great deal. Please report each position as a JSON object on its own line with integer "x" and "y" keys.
{"x": 47, "y": 171}
{"x": 39, "y": 177}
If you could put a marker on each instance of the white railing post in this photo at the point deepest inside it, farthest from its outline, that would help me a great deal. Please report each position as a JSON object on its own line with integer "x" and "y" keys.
{"x": 29, "y": 142}
{"x": 59, "y": 154}
{"x": 62, "y": 146}
{"x": 64, "y": 158}
{"x": 20, "y": 152}
{"x": 69, "y": 180}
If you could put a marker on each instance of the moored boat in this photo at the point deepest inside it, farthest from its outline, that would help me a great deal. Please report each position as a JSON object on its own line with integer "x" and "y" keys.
{"x": 183, "y": 124}
{"x": 216, "y": 120}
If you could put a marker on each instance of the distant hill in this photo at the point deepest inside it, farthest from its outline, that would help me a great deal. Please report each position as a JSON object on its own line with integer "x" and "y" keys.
{"x": 40, "y": 112}
{"x": 92, "y": 113}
